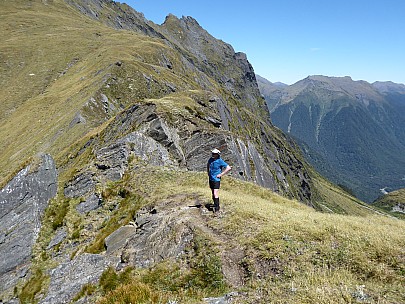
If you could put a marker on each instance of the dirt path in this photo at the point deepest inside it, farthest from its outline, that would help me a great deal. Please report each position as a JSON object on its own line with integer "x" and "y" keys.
{"x": 191, "y": 211}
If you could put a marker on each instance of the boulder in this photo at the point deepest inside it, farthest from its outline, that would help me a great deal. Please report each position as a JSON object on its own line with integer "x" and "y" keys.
{"x": 119, "y": 238}
{"x": 93, "y": 202}
{"x": 68, "y": 278}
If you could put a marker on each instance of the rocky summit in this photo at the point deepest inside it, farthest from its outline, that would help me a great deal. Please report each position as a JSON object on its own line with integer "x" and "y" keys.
{"x": 107, "y": 123}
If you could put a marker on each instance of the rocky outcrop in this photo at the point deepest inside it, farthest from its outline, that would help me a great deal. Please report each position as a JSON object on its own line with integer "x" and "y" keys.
{"x": 142, "y": 132}
{"x": 156, "y": 235}
{"x": 22, "y": 203}
{"x": 216, "y": 59}
{"x": 80, "y": 185}
{"x": 69, "y": 277}
{"x": 116, "y": 15}
{"x": 400, "y": 207}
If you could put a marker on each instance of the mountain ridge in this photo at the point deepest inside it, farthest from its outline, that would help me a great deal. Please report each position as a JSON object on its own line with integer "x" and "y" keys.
{"x": 350, "y": 114}
{"x": 124, "y": 120}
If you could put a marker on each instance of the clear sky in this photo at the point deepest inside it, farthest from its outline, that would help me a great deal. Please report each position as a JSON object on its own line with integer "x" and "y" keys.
{"x": 287, "y": 40}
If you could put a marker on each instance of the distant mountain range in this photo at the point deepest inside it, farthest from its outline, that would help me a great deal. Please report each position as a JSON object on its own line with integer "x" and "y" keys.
{"x": 353, "y": 132}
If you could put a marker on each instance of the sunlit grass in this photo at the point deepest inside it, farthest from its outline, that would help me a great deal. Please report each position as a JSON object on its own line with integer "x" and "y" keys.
{"x": 316, "y": 257}
{"x": 308, "y": 256}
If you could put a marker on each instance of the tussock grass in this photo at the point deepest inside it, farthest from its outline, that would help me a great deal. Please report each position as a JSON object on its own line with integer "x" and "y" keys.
{"x": 311, "y": 257}
{"x": 53, "y": 61}
{"x": 135, "y": 292}
{"x": 128, "y": 205}
{"x": 169, "y": 280}
{"x": 325, "y": 258}
{"x": 33, "y": 286}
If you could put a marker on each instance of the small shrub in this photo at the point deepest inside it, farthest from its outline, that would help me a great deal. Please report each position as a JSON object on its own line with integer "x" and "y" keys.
{"x": 56, "y": 212}
{"x": 110, "y": 279}
{"x": 87, "y": 290}
{"x": 32, "y": 287}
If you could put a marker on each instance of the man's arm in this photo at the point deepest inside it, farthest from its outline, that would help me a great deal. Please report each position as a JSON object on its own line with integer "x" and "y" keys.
{"x": 227, "y": 169}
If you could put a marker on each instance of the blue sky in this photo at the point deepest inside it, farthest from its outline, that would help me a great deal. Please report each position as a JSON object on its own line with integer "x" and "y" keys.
{"x": 287, "y": 40}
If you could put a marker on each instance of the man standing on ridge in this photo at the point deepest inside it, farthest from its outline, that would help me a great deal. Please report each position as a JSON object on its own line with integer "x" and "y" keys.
{"x": 215, "y": 166}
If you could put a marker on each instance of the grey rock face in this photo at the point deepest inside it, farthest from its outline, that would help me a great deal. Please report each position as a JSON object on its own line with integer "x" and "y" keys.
{"x": 22, "y": 203}
{"x": 247, "y": 163}
{"x": 78, "y": 119}
{"x": 119, "y": 238}
{"x": 112, "y": 160}
{"x": 156, "y": 236}
{"x": 93, "y": 202}
{"x": 400, "y": 207}
{"x": 68, "y": 278}
{"x": 60, "y": 235}
{"x": 138, "y": 131}
{"x": 80, "y": 185}
{"x": 224, "y": 112}
{"x": 166, "y": 136}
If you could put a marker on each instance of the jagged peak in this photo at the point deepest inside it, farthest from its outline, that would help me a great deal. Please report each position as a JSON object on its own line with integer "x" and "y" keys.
{"x": 170, "y": 17}
{"x": 188, "y": 20}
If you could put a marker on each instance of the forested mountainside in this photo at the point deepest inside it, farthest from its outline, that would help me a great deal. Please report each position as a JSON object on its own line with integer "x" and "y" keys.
{"x": 107, "y": 122}
{"x": 351, "y": 131}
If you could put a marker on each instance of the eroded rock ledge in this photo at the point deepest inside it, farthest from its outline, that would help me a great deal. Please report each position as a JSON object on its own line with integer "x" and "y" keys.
{"x": 22, "y": 203}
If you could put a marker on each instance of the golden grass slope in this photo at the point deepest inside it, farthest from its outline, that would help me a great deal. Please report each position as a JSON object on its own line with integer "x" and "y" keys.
{"x": 53, "y": 60}
{"x": 304, "y": 256}
{"x": 290, "y": 252}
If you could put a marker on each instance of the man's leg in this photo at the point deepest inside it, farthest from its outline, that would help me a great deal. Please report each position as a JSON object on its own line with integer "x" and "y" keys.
{"x": 215, "y": 197}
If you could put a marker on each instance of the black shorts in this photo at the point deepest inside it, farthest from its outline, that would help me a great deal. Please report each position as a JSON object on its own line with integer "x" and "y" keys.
{"x": 215, "y": 184}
